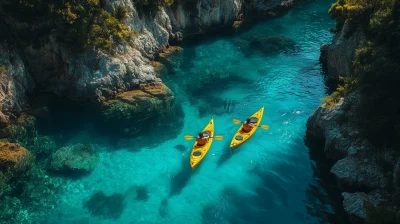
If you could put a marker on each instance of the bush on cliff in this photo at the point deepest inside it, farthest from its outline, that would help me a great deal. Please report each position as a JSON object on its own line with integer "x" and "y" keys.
{"x": 3, "y": 69}
{"x": 76, "y": 22}
{"x": 346, "y": 86}
{"x": 376, "y": 65}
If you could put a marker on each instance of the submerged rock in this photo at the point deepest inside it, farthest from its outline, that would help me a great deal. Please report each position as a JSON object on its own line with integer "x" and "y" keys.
{"x": 137, "y": 193}
{"x": 148, "y": 99}
{"x": 14, "y": 158}
{"x": 108, "y": 207}
{"x": 10, "y": 210}
{"x": 272, "y": 44}
{"x": 14, "y": 161}
{"x": 75, "y": 159}
{"x": 137, "y": 110}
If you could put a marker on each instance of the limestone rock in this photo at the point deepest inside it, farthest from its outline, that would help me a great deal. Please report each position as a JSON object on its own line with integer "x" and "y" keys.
{"x": 353, "y": 203}
{"x": 16, "y": 83}
{"x": 339, "y": 55}
{"x": 335, "y": 125}
{"x": 14, "y": 158}
{"x": 77, "y": 159}
{"x": 359, "y": 173}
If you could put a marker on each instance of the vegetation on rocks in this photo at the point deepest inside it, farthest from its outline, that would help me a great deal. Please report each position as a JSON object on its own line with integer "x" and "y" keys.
{"x": 346, "y": 86}
{"x": 3, "y": 69}
{"x": 76, "y": 22}
{"x": 376, "y": 65}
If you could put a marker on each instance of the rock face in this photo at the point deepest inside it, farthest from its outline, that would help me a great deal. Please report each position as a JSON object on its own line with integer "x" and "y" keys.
{"x": 133, "y": 111}
{"x": 360, "y": 168}
{"x": 76, "y": 159}
{"x": 16, "y": 83}
{"x": 338, "y": 56}
{"x": 14, "y": 158}
{"x": 96, "y": 75}
{"x": 353, "y": 203}
{"x": 330, "y": 124}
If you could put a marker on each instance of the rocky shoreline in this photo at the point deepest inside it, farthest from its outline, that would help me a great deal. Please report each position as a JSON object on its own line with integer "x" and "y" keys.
{"x": 364, "y": 173}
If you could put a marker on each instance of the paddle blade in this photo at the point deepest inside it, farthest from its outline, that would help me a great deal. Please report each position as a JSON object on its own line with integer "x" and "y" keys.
{"x": 218, "y": 137}
{"x": 188, "y": 137}
{"x": 236, "y": 121}
{"x": 265, "y": 127}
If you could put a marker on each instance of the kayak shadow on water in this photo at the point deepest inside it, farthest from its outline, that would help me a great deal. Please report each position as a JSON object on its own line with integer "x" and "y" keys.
{"x": 227, "y": 153}
{"x": 179, "y": 180}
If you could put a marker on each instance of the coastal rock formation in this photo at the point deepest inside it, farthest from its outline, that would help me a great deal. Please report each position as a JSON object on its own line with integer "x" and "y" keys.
{"x": 129, "y": 110}
{"x": 338, "y": 56}
{"x": 359, "y": 166}
{"x": 16, "y": 83}
{"x": 364, "y": 172}
{"x": 330, "y": 124}
{"x": 96, "y": 75}
{"x": 353, "y": 203}
{"x": 75, "y": 159}
{"x": 14, "y": 160}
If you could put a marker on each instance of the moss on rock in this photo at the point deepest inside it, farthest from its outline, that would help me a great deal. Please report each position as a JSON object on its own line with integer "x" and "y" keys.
{"x": 75, "y": 159}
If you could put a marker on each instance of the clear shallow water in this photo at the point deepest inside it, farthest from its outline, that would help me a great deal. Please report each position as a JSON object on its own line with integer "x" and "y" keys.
{"x": 267, "y": 179}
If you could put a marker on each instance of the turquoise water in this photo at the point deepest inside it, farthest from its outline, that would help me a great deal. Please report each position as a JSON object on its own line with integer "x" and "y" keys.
{"x": 266, "y": 180}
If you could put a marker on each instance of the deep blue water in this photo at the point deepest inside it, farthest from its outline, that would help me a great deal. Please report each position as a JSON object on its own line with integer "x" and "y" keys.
{"x": 269, "y": 179}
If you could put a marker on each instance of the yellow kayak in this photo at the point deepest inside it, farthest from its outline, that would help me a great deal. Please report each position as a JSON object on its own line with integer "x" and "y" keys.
{"x": 241, "y": 136}
{"x": 199, "y": 152}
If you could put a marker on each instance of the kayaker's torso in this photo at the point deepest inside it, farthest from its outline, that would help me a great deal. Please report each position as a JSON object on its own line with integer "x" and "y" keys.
{"x": 201, "y": 141}
{"x": 246, "y": 127}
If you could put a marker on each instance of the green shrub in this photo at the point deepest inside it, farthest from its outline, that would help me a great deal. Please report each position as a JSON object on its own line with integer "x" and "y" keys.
{"x": 3, "y": 69}
{"x": 346, "y": 86}
{"x": 348, "y": 11}
{"x": 78, "y": 23}
{"x": 121, "y": 12}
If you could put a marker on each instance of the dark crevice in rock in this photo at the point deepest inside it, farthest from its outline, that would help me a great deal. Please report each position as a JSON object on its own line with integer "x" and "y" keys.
{"x": 322, "y": 170}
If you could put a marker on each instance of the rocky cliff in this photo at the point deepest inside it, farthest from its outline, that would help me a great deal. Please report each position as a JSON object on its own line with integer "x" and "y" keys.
{"x": 97, "y": 75}
{"x": 367, "y": 172}
{"x": 338, "y": 56}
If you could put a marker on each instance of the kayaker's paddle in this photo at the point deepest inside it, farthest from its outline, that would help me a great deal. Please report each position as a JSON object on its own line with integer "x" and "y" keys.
{"x": 265, "y": 127}
{"x": 189, "y": 137}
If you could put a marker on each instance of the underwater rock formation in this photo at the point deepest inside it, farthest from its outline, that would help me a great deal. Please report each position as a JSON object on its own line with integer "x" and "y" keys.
{"x": 14, "y": 158}
{"x": 14, "y": 161}
{"x": 75, "y": 159}
{"x": 128, "y": 111}
{"x": 272, "y": 44}
{"x": 108, "y": 207}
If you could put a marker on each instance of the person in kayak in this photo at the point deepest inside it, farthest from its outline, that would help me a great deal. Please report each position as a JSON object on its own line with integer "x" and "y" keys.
{"x": 248, "y": 125}
{"x": 201, "y": 139}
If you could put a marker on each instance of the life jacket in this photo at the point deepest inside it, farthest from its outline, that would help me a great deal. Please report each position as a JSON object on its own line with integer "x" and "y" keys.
{"x": 201, "y": 141}
{"x": 247, "y": 127}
